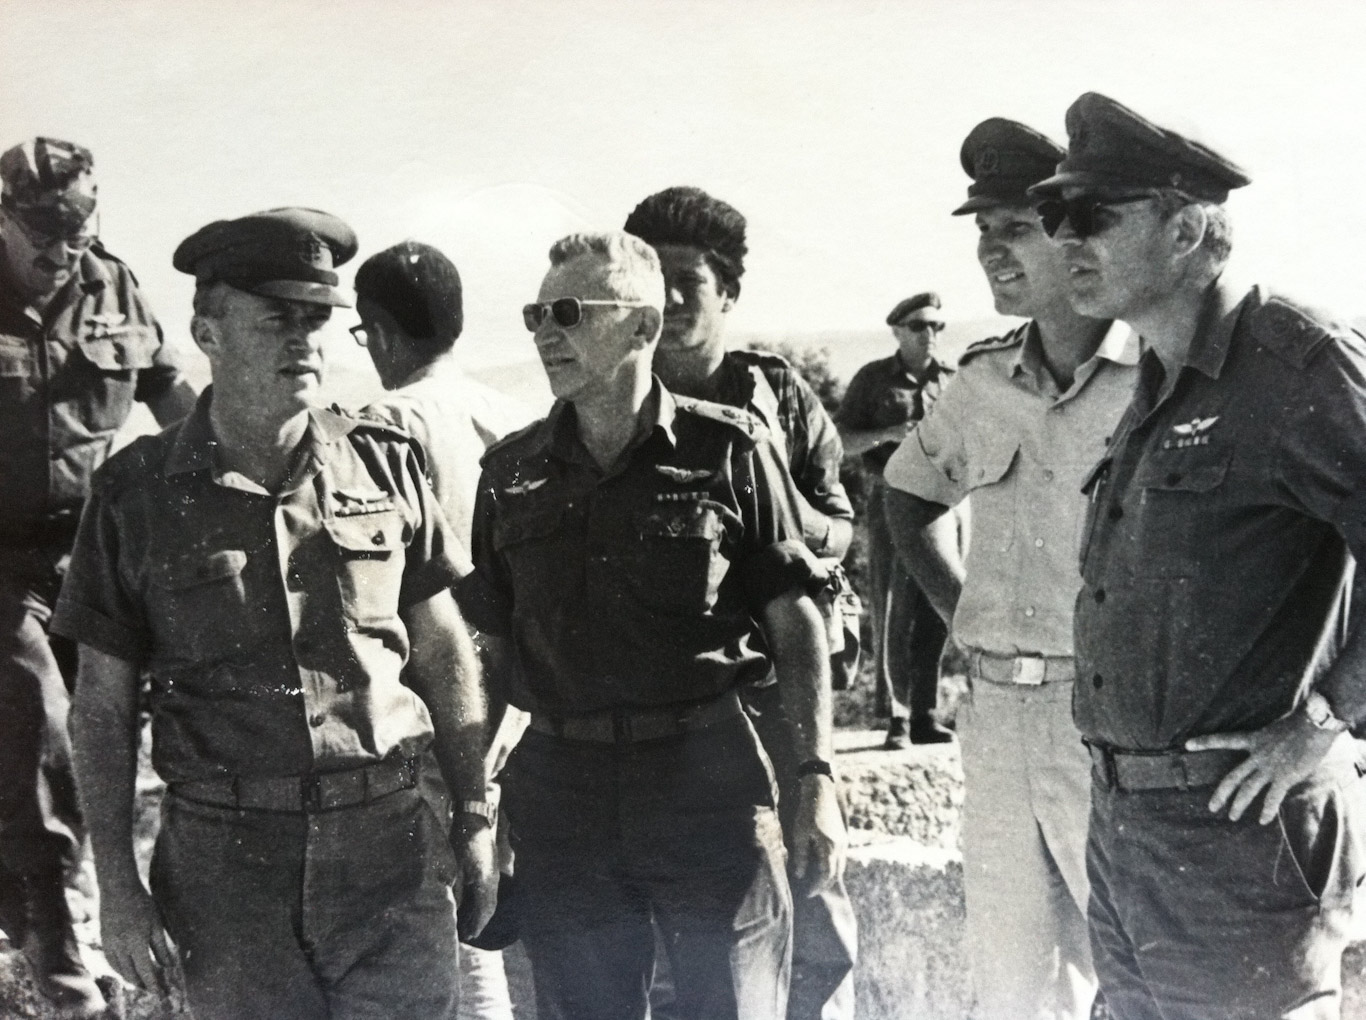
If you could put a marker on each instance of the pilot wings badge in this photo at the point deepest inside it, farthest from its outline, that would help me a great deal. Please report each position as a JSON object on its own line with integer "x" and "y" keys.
{"x": 521, "y": 488}
{"x": 683, "y": 476}
{"x": 1190, "y": 433}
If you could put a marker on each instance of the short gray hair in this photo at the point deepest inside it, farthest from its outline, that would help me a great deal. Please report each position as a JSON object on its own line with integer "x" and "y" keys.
{"x": 1218, "y": 240}
{"x": 633, "y": 270}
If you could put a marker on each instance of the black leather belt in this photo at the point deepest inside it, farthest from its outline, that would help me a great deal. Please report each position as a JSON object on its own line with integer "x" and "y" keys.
{"x": 629, "y": 726}
{"x": 322, "y": 791}
{"x": 1161, "y": 770}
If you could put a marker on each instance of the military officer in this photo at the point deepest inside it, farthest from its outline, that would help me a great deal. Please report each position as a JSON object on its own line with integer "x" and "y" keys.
{"x": 282, "y": 573}
{"x": 626, "y": 546}
{"x": 1016, "y": 429}
{"x": 1216, "y": 678}
{"x": 884, "y": 400}
{"x": 78, "y": 344}
{"x": 701, "y": 245}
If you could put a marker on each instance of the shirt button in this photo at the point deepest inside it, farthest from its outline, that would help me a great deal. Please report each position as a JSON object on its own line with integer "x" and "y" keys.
{"x": 1115, "y": 512}
{"x": 1038, "y": 543}
{"x": 1100, "y": 595}
{"x": 317, "y": 720}
{"x": 1029, "y": 611}
{"x": 377, "y": 538}
{"x": 1097, "y": 682}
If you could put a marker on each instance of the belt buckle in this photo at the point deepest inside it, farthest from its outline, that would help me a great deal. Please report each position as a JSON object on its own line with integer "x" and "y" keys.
{"x": 1029, "y": 670}
{"x": 311, "y": 793}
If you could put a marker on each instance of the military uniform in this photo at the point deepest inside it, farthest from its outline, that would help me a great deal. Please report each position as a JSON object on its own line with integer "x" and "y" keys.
{"x": 908, "y": 635}
{"x": 289, "y": 745}
{"x": 640, "y": 789}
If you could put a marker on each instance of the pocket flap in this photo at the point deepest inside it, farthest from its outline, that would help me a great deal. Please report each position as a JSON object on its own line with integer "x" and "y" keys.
{"x": 695, "y": 521}
{"x": 526, "y": 526}
{"x": 200, "y": 568}
{"x": 131, "y": 347}
{"x": 381, "y": 532}
{"x": 1180, "y": 474}
{"x": 991, "y": 463}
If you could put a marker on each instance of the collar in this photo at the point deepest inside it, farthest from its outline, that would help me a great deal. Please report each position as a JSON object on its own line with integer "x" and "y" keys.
{"x": 559, "y": 434}
{"x": 1120, "y": 344}
{"x": 933, "y": 370}
{"x": 192, "y": 449}
{"x": 1224, "y": 303}
{"x": 440, "y": 368}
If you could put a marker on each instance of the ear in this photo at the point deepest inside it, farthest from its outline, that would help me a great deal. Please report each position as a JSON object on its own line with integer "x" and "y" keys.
{"x": 727, "y": 304}
{"x": 1190, "y": 224}
{"x": 648, "y": 325}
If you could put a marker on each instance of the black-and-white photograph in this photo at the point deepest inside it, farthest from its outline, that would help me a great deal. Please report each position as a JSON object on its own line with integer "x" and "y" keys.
{"x": 682, "y": 510}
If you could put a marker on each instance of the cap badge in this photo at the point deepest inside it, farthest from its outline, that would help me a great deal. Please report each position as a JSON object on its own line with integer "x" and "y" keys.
{"x": 988, "y": 162}
{"x": 309, "y": 249}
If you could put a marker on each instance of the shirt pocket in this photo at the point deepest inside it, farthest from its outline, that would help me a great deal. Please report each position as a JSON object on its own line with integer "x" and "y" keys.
{"x": 200, "y": 600}
{"x": 107, "y": 365}
{"x": 371, "y": 556}
{"x": 992, "y": 493}
{"x": 679, "y": 561}
{"x": 1175, "y": 526}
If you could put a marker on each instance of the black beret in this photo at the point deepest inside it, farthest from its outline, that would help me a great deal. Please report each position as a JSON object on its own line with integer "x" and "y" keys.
{"x": 285, "y": 253}
{"x": 1110, "y": 147}
{"x": 1003, "y": 158}
{"x": 49, "y": 184}
{"x": 927, "y": 299}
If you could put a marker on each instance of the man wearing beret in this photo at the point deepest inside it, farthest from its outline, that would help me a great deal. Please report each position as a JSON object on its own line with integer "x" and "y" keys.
{"x": 701, "y": 245}
{"x": 78, "y": 344}
{"x": 282, "y": 574}
{"x": 1217, "y": 680}
{"x": 1016, "y": 429}
{"x": 884, "y": 400}
{"x": 643, "y": 555}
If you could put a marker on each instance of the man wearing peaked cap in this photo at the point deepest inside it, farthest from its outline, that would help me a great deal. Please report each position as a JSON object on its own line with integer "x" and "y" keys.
{"x": 1016, "y": 429}
{"x": 282, "y": 573}
{"x": 78, "y": 344}
{"x": 1218, "y": 680}
{"x": 885, "y": 399}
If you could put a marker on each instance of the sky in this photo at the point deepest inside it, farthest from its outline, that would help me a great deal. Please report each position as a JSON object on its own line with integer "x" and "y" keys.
{"x": 492, "y": 128}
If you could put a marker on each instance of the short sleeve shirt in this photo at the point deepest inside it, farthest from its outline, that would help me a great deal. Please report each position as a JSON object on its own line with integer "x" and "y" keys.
{"x": 269, "y": 622}
{"x": 1216, "y": 560}
{"x": 639, "y": 586}
{"x": 1003, "y": 433}
{"x": 68, "y": 379}
{"x": 884, "y": 393}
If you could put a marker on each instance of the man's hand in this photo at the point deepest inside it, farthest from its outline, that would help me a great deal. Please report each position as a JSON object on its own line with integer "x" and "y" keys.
{"x": 1280, "y": 755}
{"x": 477, "y": 884}
{"x": 819, "y": 838}
{"x": 135, "y": 943}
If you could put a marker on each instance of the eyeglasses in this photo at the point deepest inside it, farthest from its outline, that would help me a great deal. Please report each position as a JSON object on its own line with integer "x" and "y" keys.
{"x": 361, "y": 335}
{"x": 42, "y": 241}
{"x": 567, "y": 311}
{"x": 1083, "y": 212}
{"x": 922, "y": 326}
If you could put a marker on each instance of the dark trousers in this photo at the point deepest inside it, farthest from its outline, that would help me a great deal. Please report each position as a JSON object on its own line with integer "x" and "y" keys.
{"x": 337, "y": 915}
{"x": 40, "y": 823}
{"x": 908, "y": 635}
{"x": 1194, "y": 917}
{"x": 682, "y": 832}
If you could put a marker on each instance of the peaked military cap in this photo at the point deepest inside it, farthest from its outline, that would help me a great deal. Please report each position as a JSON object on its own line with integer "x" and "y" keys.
{"x": 49, "y": 184}
{"x": 927, "y": 299}
{"x": 1109, "y": 146}
{"x": 284, "y": 253}
{"x": 1003, "y": 158}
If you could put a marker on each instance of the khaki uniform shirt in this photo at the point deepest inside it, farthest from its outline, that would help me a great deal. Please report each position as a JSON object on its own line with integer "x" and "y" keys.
{"x": 269, "y": 622}
{"x": 1002, "y": 433}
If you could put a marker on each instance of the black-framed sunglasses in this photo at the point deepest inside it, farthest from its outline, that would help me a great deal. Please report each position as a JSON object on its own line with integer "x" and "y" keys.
{"x": 360, "y": 334}
{"x": 1082, "y": 212}
{"x": 567, "y": 311}
{"x": 923, "y": 326}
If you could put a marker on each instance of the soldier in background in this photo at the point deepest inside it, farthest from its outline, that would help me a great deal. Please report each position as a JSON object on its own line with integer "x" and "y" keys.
{"x": 884, "y": 400}
{"x": 283, "y": 574}
{"x": 701, "y": 245}
{"x": 78, "y": 345}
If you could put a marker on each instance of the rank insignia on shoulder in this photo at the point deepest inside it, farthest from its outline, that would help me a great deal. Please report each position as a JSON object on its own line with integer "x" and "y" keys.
{"x": 683, "y": 476}
{"x": 1190, "y": 433}
{"x": 521, "y": 488}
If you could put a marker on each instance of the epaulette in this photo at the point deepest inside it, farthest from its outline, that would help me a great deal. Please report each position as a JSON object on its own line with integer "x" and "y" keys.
{"x": 735, "y": 417}
{"x": 1292, "y": 331}
{"x": 498, "y": 445}
{"x": 132, "y": 464}
{"x": 368, "y": 418}
{"x": 105, "y": 255}
{"x": 996, "y": 343}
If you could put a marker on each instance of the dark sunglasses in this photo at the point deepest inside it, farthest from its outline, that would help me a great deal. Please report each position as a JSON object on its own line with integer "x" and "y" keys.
{"x": 567, "y": 311}
{"x": 42, "y": 240}
{"x": 923, "y": 326}
{"x": 1081, "y": 212}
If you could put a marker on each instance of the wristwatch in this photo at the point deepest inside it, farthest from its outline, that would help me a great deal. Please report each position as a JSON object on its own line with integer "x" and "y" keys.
{"x": 484, "y": 809}
{"x": 1320, "y": 713}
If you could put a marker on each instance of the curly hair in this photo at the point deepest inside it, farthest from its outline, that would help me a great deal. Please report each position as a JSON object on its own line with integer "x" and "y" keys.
{"x": 685, "y": 215}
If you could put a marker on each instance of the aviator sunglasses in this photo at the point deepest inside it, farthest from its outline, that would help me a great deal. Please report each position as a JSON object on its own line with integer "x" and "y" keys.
{"x": 567, "y": 311}
{"x": 1083, "y": 212}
